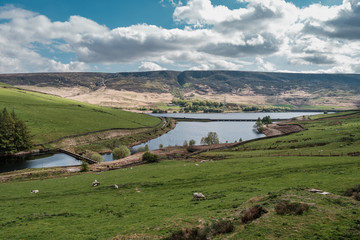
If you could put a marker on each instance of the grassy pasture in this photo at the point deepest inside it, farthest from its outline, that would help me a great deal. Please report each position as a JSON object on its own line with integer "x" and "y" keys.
{"x": 154, "y": 200}
{"x": 50, "y": 117}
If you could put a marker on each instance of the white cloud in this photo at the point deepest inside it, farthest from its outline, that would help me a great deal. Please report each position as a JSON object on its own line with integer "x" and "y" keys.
{"x": 150, "y": 66}
{"x": 215, "y": 37}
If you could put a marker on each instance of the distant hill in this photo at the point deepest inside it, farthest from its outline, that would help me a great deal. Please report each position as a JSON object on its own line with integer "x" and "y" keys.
{"x": 277, "y": 88}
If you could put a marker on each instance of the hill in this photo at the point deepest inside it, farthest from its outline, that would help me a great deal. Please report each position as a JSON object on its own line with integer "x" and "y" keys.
{"x": 154, "y": 201}
{"x": 49, "y": 117}
{"x": 293, "y": 89}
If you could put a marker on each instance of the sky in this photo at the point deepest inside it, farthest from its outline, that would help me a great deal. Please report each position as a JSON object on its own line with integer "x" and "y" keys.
{"x": 306, "y": 36}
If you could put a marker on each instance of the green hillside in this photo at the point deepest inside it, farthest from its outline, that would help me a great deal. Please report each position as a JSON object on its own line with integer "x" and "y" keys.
{"x": 155, "y": 200}
{"x": 50, "y": 117}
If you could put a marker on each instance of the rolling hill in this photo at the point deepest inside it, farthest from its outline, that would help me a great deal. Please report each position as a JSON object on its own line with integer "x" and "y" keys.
{"x": 154, "y": 201}
{"x": 294, "y": 89}
{"x": 50, "y": 117}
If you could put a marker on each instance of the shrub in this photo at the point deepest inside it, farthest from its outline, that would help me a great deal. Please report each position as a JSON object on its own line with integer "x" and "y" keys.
{"x": 149, "y": 157}
{"x": 141, "y": 149}
{"x": 121, "y": 152}
{"x": 192, "y": 142}
{"x": 261, "y": 129}
{"x": 287, "y": 207}
{"x": 223, "y": 226}
{"x": 84, "y": 167}
{"x": 253, "y": 213}
{"x": 189, "y": 234}
{"x": 97, "y": 157}
{"x": 353, "y": 192}
{"x": 220, "y": 227}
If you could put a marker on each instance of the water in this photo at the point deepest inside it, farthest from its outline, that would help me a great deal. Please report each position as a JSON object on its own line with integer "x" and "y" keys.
{"x": 39, "y": 161}
{"x": 273, "y": 115}
{"x": 227, "y": 131}
{"x": 43, "y": 160}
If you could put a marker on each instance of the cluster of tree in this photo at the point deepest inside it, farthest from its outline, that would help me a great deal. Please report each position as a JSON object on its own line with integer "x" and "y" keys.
{"x": 14, "y": 134}
{"x": 198, "y": 105}
{"x": 264, "y": 109}
{"x": 159, "y": 111}
{"x": 192, "y": 142}
{"x": 211, "y": 138}
{"x": 260, "y": 122}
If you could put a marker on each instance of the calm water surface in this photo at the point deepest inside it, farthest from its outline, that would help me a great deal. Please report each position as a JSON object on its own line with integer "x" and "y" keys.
{"x": 185, "y": 131}
{"x": 227, "y": 131}
{"x": 273, "y": 115}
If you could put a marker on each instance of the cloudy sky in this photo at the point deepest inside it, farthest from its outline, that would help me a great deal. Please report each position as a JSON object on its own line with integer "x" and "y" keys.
{"x": 145, "y": 35}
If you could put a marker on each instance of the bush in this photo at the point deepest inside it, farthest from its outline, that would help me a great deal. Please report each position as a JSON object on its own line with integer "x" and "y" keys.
{"x": 149, "y": 157}
{"x": 220, "y": 227}
{"x": 353, "y": 192}
{"x": 287, "y": 207}
{"x": 140, "y": 149}
{"x": 97, "y": 157}
{"x": 84, "y": 167}
{"x": 253, "y": 213}
{"x": 189, "y": 234}
{"x": 121, "y": 152}
{"x": 223, "y": 226}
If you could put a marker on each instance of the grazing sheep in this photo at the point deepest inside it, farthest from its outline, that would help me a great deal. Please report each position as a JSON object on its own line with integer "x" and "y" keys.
{"x": 34, "y": 191}
{"x": 198, "y": 196}
{"x": 95, "y": 183}
{"x": 116, "y": 186}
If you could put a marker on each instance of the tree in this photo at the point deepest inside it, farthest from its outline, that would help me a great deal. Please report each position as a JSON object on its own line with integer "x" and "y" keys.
{"x": 212, "y": 138}
{"x": 84, "y": 167}
{"x": 185, "y": 144}
{"x": 258, "y": 122}
{"x": 147, "y": 148}
{"x": 14, "y": 134}
{"x": 121, "y": 152}
{"x": 192, "y": 142}
{"x": 266, "y": 120}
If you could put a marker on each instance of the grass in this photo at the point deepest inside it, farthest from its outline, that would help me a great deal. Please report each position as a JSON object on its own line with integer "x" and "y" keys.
{"x": 50, "y": 117}
{"x": 324, "y": 137}
{"x": 155, "y": 200}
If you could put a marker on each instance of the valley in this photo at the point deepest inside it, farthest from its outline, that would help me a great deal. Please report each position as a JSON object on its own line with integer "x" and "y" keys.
{"x": 151, "y": 90}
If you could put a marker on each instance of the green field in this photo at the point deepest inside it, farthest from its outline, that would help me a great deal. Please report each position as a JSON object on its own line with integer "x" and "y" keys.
{"x": 155, "y": 200}
{"x": 50, "y": 117}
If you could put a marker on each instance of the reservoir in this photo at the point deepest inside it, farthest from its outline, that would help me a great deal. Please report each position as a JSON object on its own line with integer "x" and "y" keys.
{"x": 184, "y": 131}
{"x": 227, "y": 131}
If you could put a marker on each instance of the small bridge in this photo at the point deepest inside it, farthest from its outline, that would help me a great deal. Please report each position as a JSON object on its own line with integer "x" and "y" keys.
{"x": 77, "y": 156}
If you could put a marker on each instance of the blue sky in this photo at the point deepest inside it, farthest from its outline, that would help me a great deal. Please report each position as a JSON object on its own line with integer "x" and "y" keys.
{"x": 145, "y": 35}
